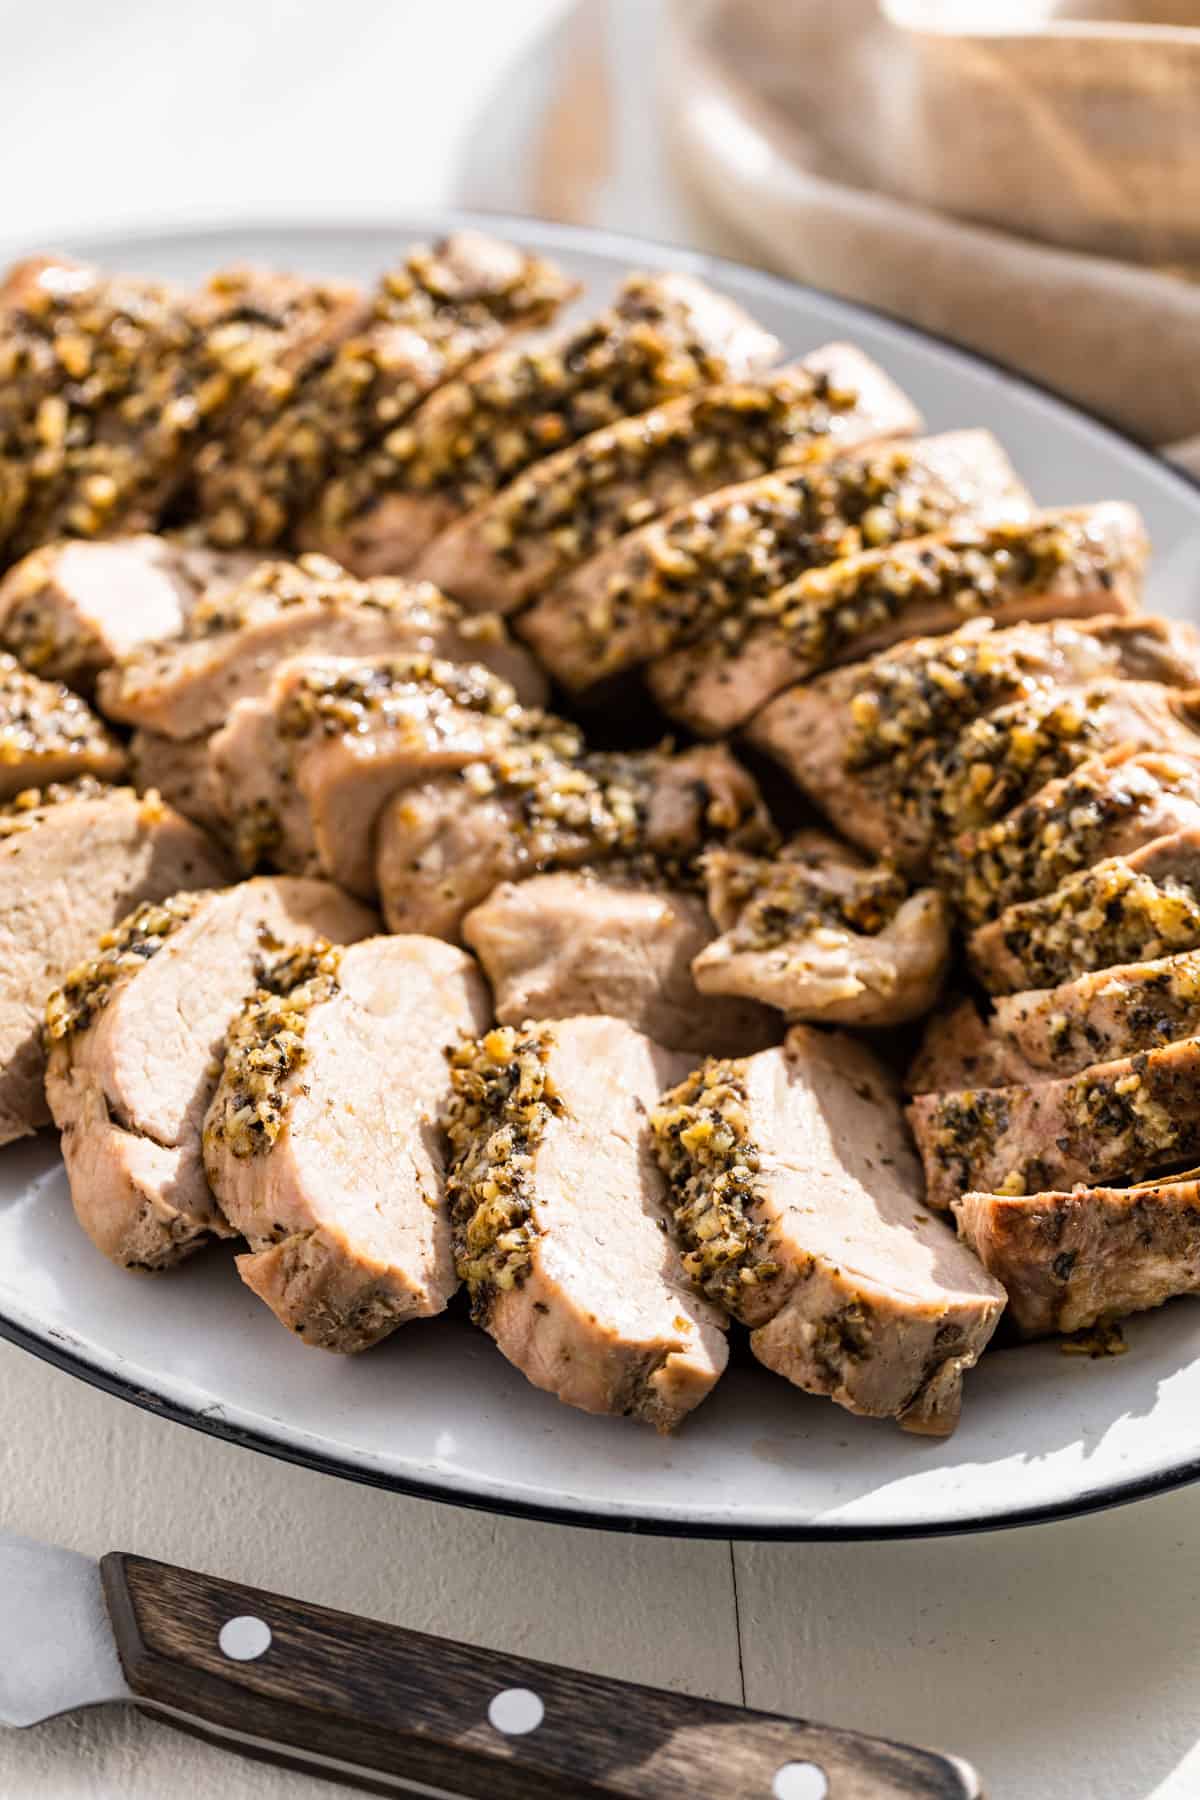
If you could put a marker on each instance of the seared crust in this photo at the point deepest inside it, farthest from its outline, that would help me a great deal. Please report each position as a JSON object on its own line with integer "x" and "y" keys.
{"x": 1073, "y": 1260}
{"x": 1115, "y": 1121}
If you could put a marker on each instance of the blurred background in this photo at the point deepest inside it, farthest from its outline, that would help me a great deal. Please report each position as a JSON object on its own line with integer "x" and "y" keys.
{"x": 1022, "y": 175}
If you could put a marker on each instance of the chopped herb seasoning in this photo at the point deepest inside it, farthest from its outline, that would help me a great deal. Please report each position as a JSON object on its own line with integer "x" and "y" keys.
{"x": 482, "y": 430}
{"x": 25, "y": 809}
{"x": 1138, "y": 1008}
{"x": 85, "y": 992}
{"x": 963, "y": 1131}
{"x": 772, "y": 901}
{"x": 1063, "y": 828}
{"x": 972, "y": 570}
{"x": 275, "y": 588}
{"x": 439, "y": 309}
{"x": 715, "y": 568}
{"x": 567, "y": 508}
{"x": 1095, "y": 919}
{"x": 265, "y": 1047}
{"x": 363, "y": 696}
{"x": 502, "y": 1098}
{"x": 45, "y": 719}
{"x": 702, "y": 1142}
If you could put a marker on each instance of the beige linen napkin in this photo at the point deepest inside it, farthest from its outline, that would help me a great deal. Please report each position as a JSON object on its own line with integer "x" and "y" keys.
{"x": 1022, "y": 176}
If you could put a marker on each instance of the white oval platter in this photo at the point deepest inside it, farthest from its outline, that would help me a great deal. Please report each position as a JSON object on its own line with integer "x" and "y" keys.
{"x": 437, "y": 1411}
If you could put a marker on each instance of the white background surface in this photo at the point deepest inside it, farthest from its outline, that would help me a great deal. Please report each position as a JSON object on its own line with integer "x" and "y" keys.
{"x": 1062, "y": 1660}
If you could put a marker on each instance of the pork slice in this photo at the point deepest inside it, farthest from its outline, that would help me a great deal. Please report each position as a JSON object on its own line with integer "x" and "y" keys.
{"x": 438, "y": 307}
{"x": 1072, "y": 1260}
{"x": 799, "y": 1205}
{"x": 596, "y": 942}
{"x": 1103, "y": 1015}
{"x": 321, "y": 1143}
{"x": 180, "y": 770}
{"x": 135, "y": 1035}
{"x": 72, "y": 864}
{"x": 1057, "y": 565}
{"x": 303, "y": 774}
{"x": 817, "y": 933}
{"x": 560, "y": 1218}
{"x": 1126, "y": 909}
{"x": 98, "y": 408}
{"x": 441, "y": 308}
{"x": 226, "y": 497}
{"x": 1115, "y": 1121}
{"x": 999, "y": 761}
{"x": 73, "y": 608}
{"x": 949, "y": 793}
{"x": 443, "y": 848}
{"x": 856, "y": 739}
{"x": 1108, "y": 806}
{"x": 235, "y": 641}
{"x": 959, "y": 1050}
{"x": 570, "y": 506}
{"x": 682, "y": 578}
{"x": 664, "y": 335}
{"x": 48, "y": 734}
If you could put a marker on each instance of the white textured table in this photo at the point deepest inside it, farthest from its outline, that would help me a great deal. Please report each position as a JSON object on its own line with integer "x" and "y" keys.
{"x": 1063, "y": 1660}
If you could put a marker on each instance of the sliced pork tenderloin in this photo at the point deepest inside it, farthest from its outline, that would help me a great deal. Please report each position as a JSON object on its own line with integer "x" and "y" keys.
{"x": 306, "y": 322}
{"x": 303, "y": 774}
{"x": 234, "y": 642}
{"x": 73, "y": 861}
{"x": 663, "y": 335}
{"x": 1126, "y": 909}
{"x": 1116, "y": 1121}
{"x": 98, "y": 406}
{"x": 135, "y": 1036}
{"x": 1048, "y": 1033}
{"x": 821, "y": 935}
{"x": 1103, "y": 1015}
{"x": 959, "y": 1049}
{"x": 443, "y": 848}
{"x": 441, "y": 306}
{"x": 1069, "y": 1261}
{"x": 595, "y": 941}
{"x": 321, "y": 1143}
{"x": 568, "y": 507}
{"x": 113, "y": 383}
{"x": 1063, "y": 564}
{"x": 683, "y": 577}
{"x": 799, "y": 1205}
{"x": 73, "y": 608}
{"x": 857, "y": 739}
{"x": 560, "y": 1219}
{"x": 999, "y": 761}
{"x": 182, "y": 771}
{"x": 48, "y": 734}
{"x": 1110, "y": 805}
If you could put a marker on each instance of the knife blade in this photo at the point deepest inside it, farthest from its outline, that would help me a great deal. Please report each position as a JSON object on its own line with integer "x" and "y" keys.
{"x": 397, "y": 1711}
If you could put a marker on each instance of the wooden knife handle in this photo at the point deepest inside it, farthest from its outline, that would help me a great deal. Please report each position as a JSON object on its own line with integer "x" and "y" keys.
{"x": 394, "y": 1710}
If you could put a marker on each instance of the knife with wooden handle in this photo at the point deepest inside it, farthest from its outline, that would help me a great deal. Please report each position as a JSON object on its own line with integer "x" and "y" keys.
{"x": 395, "y": 1711}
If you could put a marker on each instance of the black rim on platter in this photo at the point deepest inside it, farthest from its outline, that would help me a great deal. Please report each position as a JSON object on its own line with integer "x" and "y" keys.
{"x": 53, "y": 1347}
